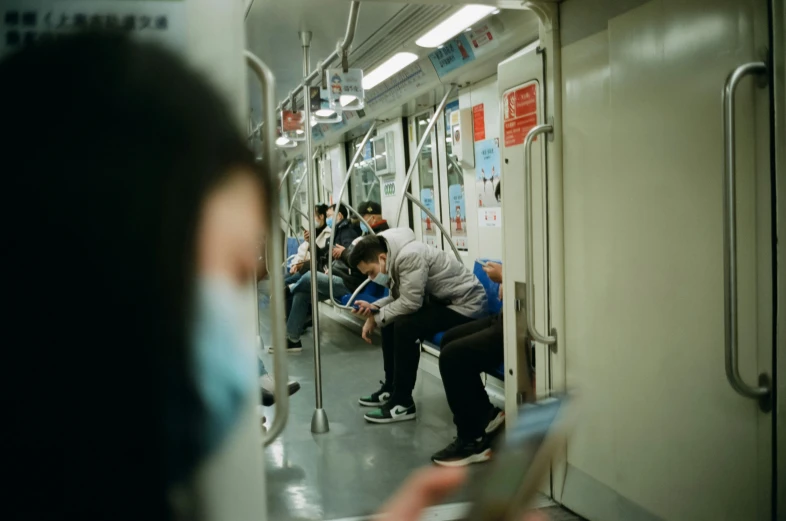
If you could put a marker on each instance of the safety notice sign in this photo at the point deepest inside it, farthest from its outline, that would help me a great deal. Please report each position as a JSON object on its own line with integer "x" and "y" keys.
{"x": 479, "y": 122}
{"x": 520, "y": 112}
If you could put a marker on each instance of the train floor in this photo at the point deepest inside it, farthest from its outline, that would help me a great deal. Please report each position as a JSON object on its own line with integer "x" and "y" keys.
{"x": 350, "y": 471}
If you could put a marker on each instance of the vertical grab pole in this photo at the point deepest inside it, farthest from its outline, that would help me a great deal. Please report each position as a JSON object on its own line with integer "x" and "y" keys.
{"x": 338, "y": 205}
{"x": 275, "y": 243}
{"x": 426, "y": 135}
{"x": 319, "y": 421}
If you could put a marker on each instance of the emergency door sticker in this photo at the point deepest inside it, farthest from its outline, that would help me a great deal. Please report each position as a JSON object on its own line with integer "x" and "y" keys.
{"x": 520, "y": 112}
{"x": 490, "y": 217}
{"x": 479, "y": 122}
{"x": 427, "y": 225}
{"x": 25, "y": 22}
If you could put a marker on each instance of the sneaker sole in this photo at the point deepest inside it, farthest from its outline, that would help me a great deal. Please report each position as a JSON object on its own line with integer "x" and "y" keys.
{"x": 469, "y": 460}
{"x": 402, "y": 418}
{"x": 291, "y": 350}
{"x": 496, "y": 423}
{"x": 371, "y": 404}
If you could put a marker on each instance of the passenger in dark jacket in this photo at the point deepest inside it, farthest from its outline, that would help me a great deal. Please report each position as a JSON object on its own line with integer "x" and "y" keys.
{"x": 371, "y": 212}
{"x": 300, "y": 292}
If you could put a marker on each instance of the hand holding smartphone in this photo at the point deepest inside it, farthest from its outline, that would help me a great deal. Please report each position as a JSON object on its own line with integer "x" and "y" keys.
{"x": 509, "y": 483}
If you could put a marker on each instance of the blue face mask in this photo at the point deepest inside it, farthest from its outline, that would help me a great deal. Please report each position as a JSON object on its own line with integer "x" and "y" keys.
{"x": 224, "y": 359}
{"x": 383, "y": 279}
{"x": 330, "y": 221}
{"x": 364, "y": 227}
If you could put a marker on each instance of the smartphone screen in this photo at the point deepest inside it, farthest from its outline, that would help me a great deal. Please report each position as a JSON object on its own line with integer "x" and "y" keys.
{"x": 519, "y": 465}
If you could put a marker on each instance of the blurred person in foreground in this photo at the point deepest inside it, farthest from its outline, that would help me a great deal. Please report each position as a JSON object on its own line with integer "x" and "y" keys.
{"x": 129, "y": 364}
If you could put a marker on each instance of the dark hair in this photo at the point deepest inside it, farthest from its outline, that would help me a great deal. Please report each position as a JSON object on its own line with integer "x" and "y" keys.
{"x": 368, "y": 250}
{"x": 321, "y": 209}
{"x": 497, "y": 192}
{"x": 341, "y": 209}
{"x": 114, "y": 149}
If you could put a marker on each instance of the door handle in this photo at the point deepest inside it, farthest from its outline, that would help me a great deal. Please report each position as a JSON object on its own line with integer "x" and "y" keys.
{"x": 763, "y": 391}
{"x": 528, "y": 240}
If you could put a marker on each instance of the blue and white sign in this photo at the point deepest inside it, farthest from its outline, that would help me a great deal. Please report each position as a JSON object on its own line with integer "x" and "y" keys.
{"x": 455, "y": 53}
{"x": 487, "y": 172}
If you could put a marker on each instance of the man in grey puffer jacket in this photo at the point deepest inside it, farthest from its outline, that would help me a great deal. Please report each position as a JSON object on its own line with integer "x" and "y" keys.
{"x": 430, "y": 292}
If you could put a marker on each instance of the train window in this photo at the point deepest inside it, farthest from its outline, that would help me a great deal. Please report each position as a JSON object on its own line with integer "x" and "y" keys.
{"x": 455, "y": 174}
{"x": 426, "y": 177}
{"x": 365, "y": 183}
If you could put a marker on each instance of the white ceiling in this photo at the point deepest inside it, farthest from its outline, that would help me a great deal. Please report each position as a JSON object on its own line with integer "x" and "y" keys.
{"x": 272, "y": 31}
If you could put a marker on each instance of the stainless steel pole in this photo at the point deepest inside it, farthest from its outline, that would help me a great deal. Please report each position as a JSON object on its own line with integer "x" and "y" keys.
{"x": 319, "y": 421}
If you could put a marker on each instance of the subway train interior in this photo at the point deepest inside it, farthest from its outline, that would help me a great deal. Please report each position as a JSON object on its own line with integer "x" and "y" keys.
{"x": 621, "y": 165}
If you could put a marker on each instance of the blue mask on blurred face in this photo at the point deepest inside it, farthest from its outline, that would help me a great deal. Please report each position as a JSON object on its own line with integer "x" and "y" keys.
{"x": 330, "y": 221}
{"x": 364, "y": 227}
{"x": 223, "y": 358}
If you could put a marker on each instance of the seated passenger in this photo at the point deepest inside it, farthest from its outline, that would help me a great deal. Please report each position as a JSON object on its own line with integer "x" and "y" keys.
{"x": 467, "y": 351}
{"x": 372, "y": 220}
{"x": 300, "y": 291}
{"x": 300, "y": 264}
{"x": 430, "y": 291}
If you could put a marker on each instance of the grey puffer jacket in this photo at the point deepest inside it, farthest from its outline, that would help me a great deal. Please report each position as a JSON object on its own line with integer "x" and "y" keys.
{"x": 417, "y": 270}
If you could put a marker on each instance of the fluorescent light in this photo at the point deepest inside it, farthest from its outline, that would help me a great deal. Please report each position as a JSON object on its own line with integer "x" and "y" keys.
{"x": 346, "y": 99}
{"x": 284, "y": 142}
{"x": 459, "y": 21}
{"x": 387, "y": 69}
{"x": 325, "y": 113}
{"x": 300, "y": 131}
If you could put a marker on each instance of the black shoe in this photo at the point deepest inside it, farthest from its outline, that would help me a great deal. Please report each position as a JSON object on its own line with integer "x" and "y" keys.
{"x": 496, "y": 420}
{"x": 378, "y": 399}
{"x": 266, "y": 388}
{"x": 390, "y": 413}
{"x": 461, "y": 453}
{"x": 292, "y": 347}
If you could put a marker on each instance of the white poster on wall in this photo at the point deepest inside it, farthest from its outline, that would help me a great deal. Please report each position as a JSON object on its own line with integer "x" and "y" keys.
{"x": 29, "y": 21}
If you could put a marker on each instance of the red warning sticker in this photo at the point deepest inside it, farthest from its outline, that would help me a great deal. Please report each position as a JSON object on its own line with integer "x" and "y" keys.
{"x": 520, "y": 113}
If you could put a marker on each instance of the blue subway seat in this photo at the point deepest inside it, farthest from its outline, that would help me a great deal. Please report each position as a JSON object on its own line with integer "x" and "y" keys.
{"x": 371, "y": 293}
{"x": 494, "y": 308}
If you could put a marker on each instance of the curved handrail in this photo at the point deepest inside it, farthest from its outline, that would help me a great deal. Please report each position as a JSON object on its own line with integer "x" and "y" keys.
{"x": 289, "y": 169}
{"x": 528, "y": 234}
{"x": 426, "y": 136}
{"x": 268, "y": 83}
{"x": 437, "y": 222}
{"x": 354, "y": 295}
{"x": 355, "y": 158}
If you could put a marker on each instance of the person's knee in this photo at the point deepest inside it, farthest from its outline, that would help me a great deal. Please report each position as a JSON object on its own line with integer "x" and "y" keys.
{"x": 449, "y": 356}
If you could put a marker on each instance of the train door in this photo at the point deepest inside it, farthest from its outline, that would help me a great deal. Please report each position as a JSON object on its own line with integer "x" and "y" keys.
{"x": 425, "y": 182}
{"x": 666, "y": 125}
{"x": 521, "y": 91}
{"x": 451, "y": 175}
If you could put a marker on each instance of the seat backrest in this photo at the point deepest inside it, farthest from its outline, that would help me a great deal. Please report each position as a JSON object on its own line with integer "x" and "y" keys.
{"x": 491, "y": 287}
{"x": 292, "y": 246}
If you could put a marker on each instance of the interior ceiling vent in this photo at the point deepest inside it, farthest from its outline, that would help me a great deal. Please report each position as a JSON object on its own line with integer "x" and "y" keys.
{"x": 405, "y": 27}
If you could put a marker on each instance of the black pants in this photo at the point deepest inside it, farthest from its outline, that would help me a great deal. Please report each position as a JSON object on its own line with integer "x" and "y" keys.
{"x": 401, "y": 350}
{"x": 467, "y": 351}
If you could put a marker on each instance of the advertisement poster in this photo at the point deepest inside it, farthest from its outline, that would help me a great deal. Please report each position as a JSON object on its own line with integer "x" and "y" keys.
{"x": 458, "y": 216}
{"x": 453, "y": 54}
{"x": 479, "y": 122}
{"x": 345, "y": 89}
{"x": 487, "y": 172}
{"x": 427, "y": 225}
{"x": 490, "y": 217}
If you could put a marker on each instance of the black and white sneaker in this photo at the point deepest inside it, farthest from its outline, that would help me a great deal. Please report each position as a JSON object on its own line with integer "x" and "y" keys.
{"x": 292, "y": 347}
{"x": 392, "y": 413}
{"x": 496, "y": 420}
{"x": 461, "y": 453}
{"x": 377, "y": 399}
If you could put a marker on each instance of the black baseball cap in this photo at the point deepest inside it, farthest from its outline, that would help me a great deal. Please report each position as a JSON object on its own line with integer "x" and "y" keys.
{"x": 370, "y": 208}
